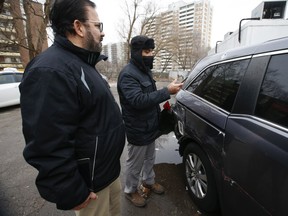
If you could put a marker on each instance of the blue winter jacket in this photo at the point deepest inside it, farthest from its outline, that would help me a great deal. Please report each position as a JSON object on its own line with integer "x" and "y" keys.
{"x": 140, "y": 99}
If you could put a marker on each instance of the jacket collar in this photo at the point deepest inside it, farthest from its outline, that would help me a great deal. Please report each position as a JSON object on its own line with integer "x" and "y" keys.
{"x": 87, "y": 56}
{"x": 101, "y": 57}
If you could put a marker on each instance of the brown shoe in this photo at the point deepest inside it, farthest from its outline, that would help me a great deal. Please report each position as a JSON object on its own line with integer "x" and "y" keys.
{"x": 156, "y": 188}
{"x": 144, "y": 191}
{"x": 136, "y": 199}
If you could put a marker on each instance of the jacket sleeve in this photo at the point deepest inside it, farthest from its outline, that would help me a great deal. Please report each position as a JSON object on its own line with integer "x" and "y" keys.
{"x": 49, "y": 108}
{"x": 137, "y": 97}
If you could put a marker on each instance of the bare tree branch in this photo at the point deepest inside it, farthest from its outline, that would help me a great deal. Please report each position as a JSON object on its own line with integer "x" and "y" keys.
{"x": 138, "y": 15}
{"x": 30, "y": 27}
{"x": 1, "y": 5}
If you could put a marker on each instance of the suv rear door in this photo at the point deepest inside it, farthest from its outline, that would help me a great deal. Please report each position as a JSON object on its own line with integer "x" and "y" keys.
{"x": 208, "y": 100}
{"x": 256, "y": 142}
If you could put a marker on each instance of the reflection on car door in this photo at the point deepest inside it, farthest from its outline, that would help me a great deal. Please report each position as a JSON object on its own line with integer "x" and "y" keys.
{"x": 251, "y": 159}
{"x": 256, "y": 148}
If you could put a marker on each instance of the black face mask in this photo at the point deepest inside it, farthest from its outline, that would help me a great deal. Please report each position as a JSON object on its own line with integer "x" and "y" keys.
{"x": 148, "y": 61}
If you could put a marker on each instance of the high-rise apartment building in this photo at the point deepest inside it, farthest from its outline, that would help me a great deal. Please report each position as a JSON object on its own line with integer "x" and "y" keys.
{"x": 181, "y": 33}
{"x": 202, "y": 20}
{"x": 117, "y": 58}
{"x": 116, "y": 52}
{"x": 9, "y": 51}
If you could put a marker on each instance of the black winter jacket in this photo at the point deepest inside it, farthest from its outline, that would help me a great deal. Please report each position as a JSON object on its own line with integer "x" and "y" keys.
{"x": 140, "y": 99}
{"x": 72, "y": 124}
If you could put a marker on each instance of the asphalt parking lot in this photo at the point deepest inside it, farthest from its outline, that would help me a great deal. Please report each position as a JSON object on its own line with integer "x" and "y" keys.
{"x": 19, "y": 196}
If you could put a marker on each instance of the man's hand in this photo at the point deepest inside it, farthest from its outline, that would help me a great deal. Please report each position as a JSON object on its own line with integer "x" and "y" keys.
{"x": 174, "y": 87}
{"x": 92, "y": 196}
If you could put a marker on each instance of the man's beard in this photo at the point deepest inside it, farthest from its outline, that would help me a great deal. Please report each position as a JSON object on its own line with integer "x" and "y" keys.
{"x": 91, "y": 45}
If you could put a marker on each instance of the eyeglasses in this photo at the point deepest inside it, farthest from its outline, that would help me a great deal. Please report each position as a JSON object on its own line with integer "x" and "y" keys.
{"x": 98, "y": 24}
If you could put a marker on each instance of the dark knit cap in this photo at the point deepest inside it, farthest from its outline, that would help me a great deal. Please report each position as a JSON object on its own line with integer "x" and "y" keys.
{"x": 141, "y": 42}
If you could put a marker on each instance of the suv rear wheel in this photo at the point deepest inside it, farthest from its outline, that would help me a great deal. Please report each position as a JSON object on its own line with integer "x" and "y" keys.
{"x": 199, "y": 179}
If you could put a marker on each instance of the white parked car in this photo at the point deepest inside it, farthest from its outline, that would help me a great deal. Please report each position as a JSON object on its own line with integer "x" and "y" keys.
{"x": 10, "y": 79}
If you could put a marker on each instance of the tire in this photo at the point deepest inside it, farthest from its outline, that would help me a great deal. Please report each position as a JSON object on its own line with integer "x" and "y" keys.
{"x": 199, "y": 179}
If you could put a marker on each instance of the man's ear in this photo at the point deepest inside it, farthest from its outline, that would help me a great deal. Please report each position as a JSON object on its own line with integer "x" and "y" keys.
{"x": 79, "y": 28}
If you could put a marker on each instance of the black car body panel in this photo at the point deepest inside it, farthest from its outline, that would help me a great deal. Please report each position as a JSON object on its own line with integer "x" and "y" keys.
{"x": 246, "y": 141}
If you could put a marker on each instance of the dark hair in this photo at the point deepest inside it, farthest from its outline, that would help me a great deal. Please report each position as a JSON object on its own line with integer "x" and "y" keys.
{"x": 64, "y": 12}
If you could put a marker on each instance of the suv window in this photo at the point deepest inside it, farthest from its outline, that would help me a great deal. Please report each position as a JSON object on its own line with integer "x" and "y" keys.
{"x": 219, "y": 84}
{"x": 272, "y": 103}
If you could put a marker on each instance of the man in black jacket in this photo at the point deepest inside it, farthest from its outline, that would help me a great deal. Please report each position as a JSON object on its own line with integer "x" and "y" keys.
{"x": 140, "y": 101}
{"x": 72, "y": 125}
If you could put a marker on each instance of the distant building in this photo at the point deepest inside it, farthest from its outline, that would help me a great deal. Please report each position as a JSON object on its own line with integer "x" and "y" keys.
{"x": 11, "y": 53}
{"x": 197, "y": 17}
{"x": 116, "y": 52}
{"x": 181, "y": 30}
{"x": 271, "y": 23}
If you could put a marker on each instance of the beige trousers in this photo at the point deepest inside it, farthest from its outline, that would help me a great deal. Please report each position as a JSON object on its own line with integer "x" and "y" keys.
{"x": 107, "y": 204}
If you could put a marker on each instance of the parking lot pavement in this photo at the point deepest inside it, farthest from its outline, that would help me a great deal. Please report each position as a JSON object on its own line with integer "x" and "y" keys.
{"x": 19, "y": 196}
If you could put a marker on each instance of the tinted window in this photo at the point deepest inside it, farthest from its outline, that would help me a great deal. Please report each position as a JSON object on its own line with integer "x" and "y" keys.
{"x": 272, "y": 103}
{"x": 219, "y": 84}
{"x": 6, "y": 78}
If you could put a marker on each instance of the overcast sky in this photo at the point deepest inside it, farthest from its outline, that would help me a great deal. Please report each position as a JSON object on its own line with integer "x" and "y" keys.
{"x": 226, "y": 16}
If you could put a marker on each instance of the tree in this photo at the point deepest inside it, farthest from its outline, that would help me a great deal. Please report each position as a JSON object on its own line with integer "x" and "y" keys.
{"x": 26, "y": 32}
{"x": 36, "y": 23}
{"x": 109, "y": 69}
{"x": 187, "y": 48}
{"x": 138, "y": 15}
{"x": 165, "y": 32}
{"x": 1, "y": 5}
{"x": 176, "y": 47}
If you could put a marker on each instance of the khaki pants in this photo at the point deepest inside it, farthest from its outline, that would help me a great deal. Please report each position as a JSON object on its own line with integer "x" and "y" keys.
{"x": 107, "y": 204}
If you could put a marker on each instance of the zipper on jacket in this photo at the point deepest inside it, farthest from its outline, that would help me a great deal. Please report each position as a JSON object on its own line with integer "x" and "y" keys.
{"x": 94, "y": 160}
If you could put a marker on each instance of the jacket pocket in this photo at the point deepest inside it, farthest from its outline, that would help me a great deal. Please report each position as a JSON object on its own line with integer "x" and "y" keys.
{"x": 146, "y": 86}
{"x": 84, "y": 168}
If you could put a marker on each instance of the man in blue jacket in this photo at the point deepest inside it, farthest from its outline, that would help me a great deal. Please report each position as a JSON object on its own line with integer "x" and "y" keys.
{"x": 72, "y": 125}
{"x": 140, "y": 101}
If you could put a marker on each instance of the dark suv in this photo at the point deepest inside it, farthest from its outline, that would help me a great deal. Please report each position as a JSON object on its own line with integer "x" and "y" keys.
{"x": 232, "y": 127}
